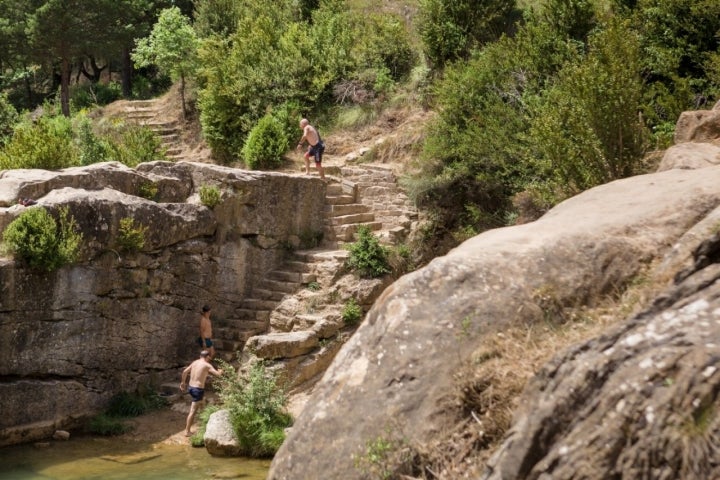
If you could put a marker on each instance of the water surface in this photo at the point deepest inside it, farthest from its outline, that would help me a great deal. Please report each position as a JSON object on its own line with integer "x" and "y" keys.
{"x": 92, "y": 458}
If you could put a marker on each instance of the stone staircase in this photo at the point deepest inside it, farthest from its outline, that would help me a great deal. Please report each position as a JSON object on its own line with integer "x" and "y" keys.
{"x": 297, "y": 308}
{"x": 145, "y": 112}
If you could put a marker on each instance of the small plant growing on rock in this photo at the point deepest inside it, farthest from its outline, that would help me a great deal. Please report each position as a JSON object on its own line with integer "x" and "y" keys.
{"x": 367, "y": 257}
{"x": 352, "y": 312}
{"x": 131, "y": 237}
{"x": 41, "y": 241}
{"x": 257, "y": 409}
{"x": 314, "y": 286}
{"x": 209, "y": 195}
{"x": 148, "y": 190}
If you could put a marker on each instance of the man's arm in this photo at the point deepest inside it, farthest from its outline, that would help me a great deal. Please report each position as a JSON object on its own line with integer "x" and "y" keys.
{"x": 217, "y": 372}
{"x": 183, "y": 379}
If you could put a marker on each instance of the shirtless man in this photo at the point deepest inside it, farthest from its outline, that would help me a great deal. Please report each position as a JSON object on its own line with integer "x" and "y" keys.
{"x": 315, "y": 147}
{"x": 205, "y": 339}
{"x": 198, "y": 371}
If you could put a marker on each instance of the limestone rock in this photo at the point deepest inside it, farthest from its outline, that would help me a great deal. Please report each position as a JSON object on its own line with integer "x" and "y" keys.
{"x": 61, "y": 435}
{"x": 282, "y": 344}
{"x": 690, "y": 155}
{"x": 220, "y": 438}
{"x": 637, "y": 402}
{"x": 116, "y": 320}
{"x": 698, "y": 126}
{"x": 423, "y": 327}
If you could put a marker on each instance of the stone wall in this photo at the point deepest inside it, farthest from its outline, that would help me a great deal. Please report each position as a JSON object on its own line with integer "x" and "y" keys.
{"x": 117, "y": 320}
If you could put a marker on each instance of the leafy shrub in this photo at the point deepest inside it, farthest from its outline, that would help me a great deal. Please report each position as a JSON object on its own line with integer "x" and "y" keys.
{"x": 367, "y": 256}
{"x": 41, "y": 241}
{"x": 135, "y": 144}
{"x": 257, "y": 409}
{"x": 126, "y": 404}
{"x": 47, "y": 144}
{"x": 131, "y": 237}
{"x": 8, "y": 118}
{"x": 209, "y": 195}
{"x": 92, "y": 148}
{"x": 266, "y": 144}
{"x": 351, "y": 312}
{"x": 91, "y": 94}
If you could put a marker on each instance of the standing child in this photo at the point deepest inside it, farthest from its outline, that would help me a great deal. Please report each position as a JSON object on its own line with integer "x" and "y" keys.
{"x": 205, "y": 339}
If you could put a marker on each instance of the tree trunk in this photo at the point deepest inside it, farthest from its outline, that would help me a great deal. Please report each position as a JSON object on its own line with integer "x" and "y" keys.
{"x": 65, "y": 87}
{"x": 126, "y": 73}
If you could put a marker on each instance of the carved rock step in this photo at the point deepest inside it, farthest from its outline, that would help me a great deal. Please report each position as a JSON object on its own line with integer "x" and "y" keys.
{"x": 279, "y": 286}
{"x": 346, "y": 233}
{"x": 351, "y": 219}
{"x": 345, "y": 209}
{"x": 339, "y": 199}
{"x": 283, "y": 344}
{"x": 262, "y": 294}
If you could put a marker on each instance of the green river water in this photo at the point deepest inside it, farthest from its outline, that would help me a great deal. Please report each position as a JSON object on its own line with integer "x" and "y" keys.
{"x": 91, "y": 458}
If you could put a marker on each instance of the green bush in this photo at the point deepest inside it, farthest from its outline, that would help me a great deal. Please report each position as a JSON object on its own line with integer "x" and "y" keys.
{"x": 41, "y": 241}
{"x": 209, "y": 195}
{"x": 257, "y": 409}
{"x": 135, "y": 144}
{"x": 352, "y": 312}
{"x": 367, "y": 257}
{"x": 46, "y": 144}
{"x": 266, "y": 144}
{"x": 8, "y": 118}
{"x": 131, "y": 237}
{"x": 92, "y": 94}
{"x": 93, "y": 149}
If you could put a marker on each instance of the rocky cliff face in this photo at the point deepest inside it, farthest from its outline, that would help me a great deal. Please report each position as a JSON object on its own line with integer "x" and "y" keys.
{"x": 72, "y": 338}
{"x": 638, "y": 402}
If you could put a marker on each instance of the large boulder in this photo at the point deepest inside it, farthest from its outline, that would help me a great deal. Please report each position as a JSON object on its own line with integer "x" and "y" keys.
{"x": 698, "y": 126}
{"x": 220, "y": 438}
{"x": 397, "y": 371}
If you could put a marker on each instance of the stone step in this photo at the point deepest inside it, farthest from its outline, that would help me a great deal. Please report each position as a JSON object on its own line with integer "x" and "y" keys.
{"x": 244, "y": 327}
{"x": 263, "y": 294}
{"x": 346, "y": 233}
{"x": 173, "y": 151}
{"x": 351, "y": 219}
{"x": 339, "y": 199}
{"x": 245, "y": 315}
{"x": 259, "y": 304}
{"x": 346, "y": 209}
{"x": 298, "y": 265}
{"x": 278, "y": 286}
{"x": 334, "y": 189}
{"x": 322, "y": 255}
{"x": 285, "y": 276}
{"x": 227, "y": 345}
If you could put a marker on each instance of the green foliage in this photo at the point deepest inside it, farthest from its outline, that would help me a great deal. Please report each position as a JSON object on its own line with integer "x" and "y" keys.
{"x": 570, "y": 18}
{"x": 209, "y": 195}
{"x": 134, "y": 144}
{"x": 265, "y": 145}
{"x": 107, "y": 425}
{"x": 8, "y": 118}
{"x": 148, "y": 190}
{"x": 92, "y": 148}
{"x": 48, "y": 144}
{"x": 367, "y": 257}
{"x": 197, "y": 439}
{"x": 172, "y": 45}
{"x": 351, "y": 312}
{"x": 125, "y": 404}
{"x": 41, "y": 241}
{"x": 257, "y": 409}
{"x": 583, "y": 139}
{"x": 122, "y": 406}
{"x": 450, "y": 29}
{"x": 93, "y": 94}
{"x": 131, "y": 237}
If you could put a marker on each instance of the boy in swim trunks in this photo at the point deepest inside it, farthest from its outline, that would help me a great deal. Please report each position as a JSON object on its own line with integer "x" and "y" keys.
{"x": 205, "y": 338}
{"x": 316, "y": 147}
{"x": 198, "y": 371}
